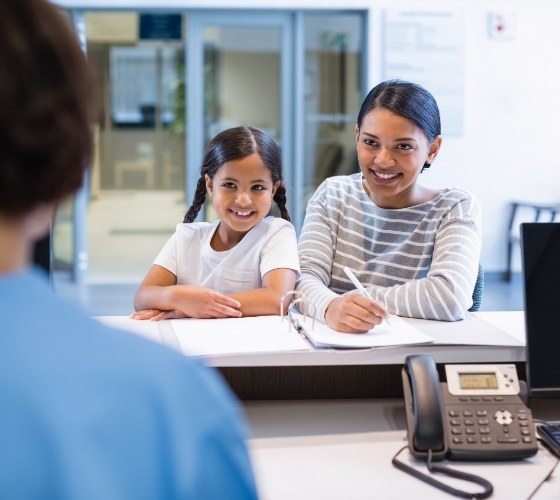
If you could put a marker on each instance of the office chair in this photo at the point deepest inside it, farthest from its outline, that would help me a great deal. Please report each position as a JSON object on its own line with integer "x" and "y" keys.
{"x": 513, "y": 235}
{"x": 478, "y": 289}
{"x": 43, "y": 255}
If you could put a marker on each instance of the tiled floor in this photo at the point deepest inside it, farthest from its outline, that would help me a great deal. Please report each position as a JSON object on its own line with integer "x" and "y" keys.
{"x": 116, "y": 299}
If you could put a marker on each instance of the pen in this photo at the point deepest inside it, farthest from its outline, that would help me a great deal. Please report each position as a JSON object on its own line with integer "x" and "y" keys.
{"x": 358, "y": 285}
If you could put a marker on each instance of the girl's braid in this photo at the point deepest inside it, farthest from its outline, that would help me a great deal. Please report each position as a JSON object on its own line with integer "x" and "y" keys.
{"x": 280, "y": 199}
{"x": 199, "y": 199}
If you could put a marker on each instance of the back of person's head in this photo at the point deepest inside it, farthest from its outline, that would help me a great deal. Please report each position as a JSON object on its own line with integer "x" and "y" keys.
{"x": 46, "y": 102}
{"x": 405, "y": 99}
{"x": 234, "y": 144}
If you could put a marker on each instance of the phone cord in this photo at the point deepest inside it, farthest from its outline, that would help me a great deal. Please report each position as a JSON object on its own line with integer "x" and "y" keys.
{"x": 433, "y": 468}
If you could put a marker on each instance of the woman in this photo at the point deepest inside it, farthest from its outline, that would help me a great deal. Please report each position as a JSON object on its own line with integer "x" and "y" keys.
{"x": 415, "y": 249}
{"x": 86, "y": 411}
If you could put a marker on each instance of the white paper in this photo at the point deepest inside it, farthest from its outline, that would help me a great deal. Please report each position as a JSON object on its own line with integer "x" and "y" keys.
{"x": 144, "y": 328}
{"x": 397, "y": 333}
{"x": 211, "y": 337}
{"x": 426, "y": 46}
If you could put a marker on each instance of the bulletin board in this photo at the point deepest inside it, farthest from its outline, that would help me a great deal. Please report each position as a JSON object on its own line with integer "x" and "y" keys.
{"x": 427, "y": 47}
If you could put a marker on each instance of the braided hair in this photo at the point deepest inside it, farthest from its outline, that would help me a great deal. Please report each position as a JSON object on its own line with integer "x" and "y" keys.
{"x": 234, "y": 144}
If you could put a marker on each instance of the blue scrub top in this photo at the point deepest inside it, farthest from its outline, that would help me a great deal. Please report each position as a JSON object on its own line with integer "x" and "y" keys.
{"x": 93, "y": 413}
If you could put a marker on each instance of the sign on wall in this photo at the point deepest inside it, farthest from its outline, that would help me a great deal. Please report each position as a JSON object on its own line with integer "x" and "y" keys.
{"x": 426, "y": 47}
{"x": 160, "y": 27}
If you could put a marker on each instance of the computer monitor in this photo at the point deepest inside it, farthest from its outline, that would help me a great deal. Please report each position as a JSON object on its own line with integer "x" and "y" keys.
{"x": 540, "y": 249}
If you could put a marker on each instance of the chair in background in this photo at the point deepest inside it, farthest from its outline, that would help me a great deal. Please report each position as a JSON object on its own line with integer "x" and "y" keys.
{"x": 143, "y": 166}
{"x": 329, "y": 159}
{"x": 478, "y": 290}
{"x": 43, "y": 254}
{"x": 142, "y": 160}
{"x": 535, "y": 210}
{"x": 172, "y": 172}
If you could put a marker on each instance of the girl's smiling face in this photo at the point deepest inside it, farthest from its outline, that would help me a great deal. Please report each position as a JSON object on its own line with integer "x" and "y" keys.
{"x": 391, "y": 152}
{"x": 242, "y": 192}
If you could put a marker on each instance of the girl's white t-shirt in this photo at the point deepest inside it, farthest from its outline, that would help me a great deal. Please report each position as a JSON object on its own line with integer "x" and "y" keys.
{"x": 271, "y": 244}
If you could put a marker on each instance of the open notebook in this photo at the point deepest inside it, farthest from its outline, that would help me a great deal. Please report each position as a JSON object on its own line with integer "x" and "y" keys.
{"x": 220, "y": 337}
{"x": 203, "y": 337}
{"x": 398, "y": 333}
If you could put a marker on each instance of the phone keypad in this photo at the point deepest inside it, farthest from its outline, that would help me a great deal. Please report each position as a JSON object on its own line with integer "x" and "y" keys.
{"x": 488, "y": 427}
{"x": 473, "y": 426}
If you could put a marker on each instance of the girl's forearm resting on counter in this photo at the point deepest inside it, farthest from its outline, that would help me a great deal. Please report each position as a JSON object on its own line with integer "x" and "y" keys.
{"x": 266, "y": 300}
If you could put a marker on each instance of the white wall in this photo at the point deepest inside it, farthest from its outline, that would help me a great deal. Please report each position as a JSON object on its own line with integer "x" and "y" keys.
{"x": 511, "y": 109}
{"x": 510, "y": 149}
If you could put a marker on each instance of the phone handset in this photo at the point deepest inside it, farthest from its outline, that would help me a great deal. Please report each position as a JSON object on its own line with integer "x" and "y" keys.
{"x": 426, "y": 436}
{"x": 424, "y": 405}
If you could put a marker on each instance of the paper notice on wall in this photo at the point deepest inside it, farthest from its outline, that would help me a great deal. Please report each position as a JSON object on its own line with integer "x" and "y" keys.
{"x": 427, "y": 47}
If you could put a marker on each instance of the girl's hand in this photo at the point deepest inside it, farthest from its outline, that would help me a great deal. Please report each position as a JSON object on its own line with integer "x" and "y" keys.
{"x": 156, "y": 314}
{"x": 145, "y": 314}
{"x": 354, "y": 313}
{"x": 199, "y": 302}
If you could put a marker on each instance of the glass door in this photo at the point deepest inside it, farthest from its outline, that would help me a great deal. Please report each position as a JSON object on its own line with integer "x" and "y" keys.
{"x": 134, "y": 195}
{"x": 169, "y": 82}
{"x": 330, "y": 71}
{"x": 239, "y": 74}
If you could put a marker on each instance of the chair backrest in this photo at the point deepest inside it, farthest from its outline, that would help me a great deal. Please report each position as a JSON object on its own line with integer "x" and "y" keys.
{"x": 43, "y": 255}
{"x": 478, "y": 289}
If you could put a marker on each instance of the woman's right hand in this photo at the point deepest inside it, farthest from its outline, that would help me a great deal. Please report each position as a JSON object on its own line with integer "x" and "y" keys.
{"x": 354, "y": 313}
{"x": 200, "y": 302}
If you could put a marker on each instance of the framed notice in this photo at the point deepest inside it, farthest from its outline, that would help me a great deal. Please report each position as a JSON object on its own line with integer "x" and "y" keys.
{"x": 427, "y": 47}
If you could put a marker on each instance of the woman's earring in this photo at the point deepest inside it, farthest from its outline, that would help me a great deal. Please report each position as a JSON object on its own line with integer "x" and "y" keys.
{"x": 425, "y": 166}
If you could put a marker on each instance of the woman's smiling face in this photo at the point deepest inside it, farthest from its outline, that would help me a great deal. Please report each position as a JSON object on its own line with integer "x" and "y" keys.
{"x": 391, "y": 152}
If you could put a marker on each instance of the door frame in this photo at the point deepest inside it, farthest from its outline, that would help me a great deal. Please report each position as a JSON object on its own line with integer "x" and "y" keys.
{"x": 194, "y": 143}
{"x": 80, "y": 251}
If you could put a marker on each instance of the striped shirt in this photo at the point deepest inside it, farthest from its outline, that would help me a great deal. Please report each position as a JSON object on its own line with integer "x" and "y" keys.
{"x": 420, "y": 262}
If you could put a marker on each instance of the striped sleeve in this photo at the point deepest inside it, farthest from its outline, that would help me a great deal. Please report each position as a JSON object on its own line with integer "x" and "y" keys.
{"x": 316, "y": 251}
{"x": 446, "y": 292}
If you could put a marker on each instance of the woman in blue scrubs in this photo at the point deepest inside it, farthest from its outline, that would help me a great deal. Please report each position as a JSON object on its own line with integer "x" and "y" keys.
{"x": 85, "y": 411}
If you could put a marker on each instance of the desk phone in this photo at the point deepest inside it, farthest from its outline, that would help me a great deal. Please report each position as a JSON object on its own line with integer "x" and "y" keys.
{"x": 477, "y": 415}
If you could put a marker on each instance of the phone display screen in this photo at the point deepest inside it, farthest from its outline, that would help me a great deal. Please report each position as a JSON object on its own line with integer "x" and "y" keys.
{"x": 478, "y": 380}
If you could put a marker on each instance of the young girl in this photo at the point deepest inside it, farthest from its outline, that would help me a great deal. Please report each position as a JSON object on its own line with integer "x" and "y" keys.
{"x": 243, "y": 263}
{"x": 415, "y": 249}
